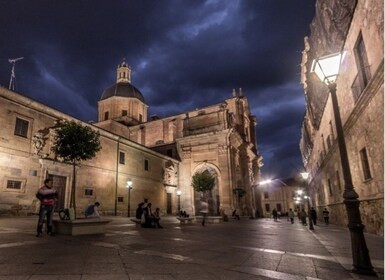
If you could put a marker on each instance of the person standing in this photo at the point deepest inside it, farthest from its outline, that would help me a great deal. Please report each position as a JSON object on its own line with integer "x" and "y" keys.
{"x": 275, "y": 215}
{"x": 48, "y": 197}
{"x": 204, "y": 210}
{"x": 303, "y": 215}
{"x": 291, "y": 215}
{"x": 313, "y": 216}
{"x": 325, "y": 214}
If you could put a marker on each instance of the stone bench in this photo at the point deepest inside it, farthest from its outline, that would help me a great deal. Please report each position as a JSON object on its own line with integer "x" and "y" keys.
{"x": 136, "y": 221}
{"x": 81, "y": 226}
{"x": 184, "y": 220}
{"x": 210, "y": 219}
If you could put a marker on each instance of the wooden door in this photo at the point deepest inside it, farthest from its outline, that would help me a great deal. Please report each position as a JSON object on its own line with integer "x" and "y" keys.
{"x": 59, "y": 184}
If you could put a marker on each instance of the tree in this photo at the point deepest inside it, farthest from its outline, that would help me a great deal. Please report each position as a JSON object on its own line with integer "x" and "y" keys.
{"x": 74, "y": 143}
{"x": 203, "y": 181}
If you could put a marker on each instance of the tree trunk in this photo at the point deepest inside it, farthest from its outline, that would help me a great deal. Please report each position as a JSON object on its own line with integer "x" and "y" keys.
{"x": 73, "y": 189}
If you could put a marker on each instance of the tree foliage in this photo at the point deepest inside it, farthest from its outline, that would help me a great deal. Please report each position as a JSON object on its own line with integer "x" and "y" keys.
{"x": 73, "y": 143}
{"x": 203, "y": 181}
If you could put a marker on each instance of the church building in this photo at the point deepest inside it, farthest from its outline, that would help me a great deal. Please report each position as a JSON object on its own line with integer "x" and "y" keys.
{"x": 158, "y": 156}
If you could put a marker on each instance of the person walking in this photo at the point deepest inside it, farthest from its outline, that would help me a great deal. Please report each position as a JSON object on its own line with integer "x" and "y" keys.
{"x": 313, "y": 216}
{"x": 204, "y": 210}
{"x": 92, "y": 211}
{"x": 325, "y": 214}
{"x": 48, "y": 197}
{"x": 291, "y": 215}
{"x": 303, "y": 215}
{"x": 275, "y": 215}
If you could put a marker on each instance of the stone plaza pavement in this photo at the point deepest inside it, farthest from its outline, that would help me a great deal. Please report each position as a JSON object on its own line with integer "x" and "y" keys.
{"x": 245, "y": 249}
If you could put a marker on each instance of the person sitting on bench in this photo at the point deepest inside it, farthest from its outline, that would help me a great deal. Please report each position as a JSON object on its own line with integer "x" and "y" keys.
{"x": 92, "y": 211}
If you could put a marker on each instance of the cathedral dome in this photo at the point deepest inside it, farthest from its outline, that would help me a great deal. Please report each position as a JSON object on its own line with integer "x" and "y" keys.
{"x": 123, "y": 86}
{"x": 123, "y": 89}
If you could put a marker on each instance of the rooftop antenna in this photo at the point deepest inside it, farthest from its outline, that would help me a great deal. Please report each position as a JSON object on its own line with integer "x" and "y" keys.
{"x": 12, "y": 82}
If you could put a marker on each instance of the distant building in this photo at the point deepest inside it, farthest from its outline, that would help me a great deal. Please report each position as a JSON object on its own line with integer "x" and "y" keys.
{"x": 159, "y": 155}
{"x": 356, "y": 27}
{"x": 279, "y": 195}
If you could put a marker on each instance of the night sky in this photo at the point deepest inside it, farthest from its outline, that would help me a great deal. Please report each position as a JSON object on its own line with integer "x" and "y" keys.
{"x": 184, "y": 54}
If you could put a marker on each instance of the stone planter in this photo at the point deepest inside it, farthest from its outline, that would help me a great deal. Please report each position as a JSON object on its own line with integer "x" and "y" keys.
{"x": 209, "y": 219}
{"x": 81, "y": 226}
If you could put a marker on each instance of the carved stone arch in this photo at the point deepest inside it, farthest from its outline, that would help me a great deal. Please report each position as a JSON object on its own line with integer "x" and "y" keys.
{"x": 213, "y": 197}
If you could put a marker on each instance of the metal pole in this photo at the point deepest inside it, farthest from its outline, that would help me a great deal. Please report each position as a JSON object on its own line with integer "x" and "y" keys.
{"x": 360, "y": 252}
{"x": 178, "y": 204}
{"x": 311, "y": 227}
{"x": 128, "y": 204}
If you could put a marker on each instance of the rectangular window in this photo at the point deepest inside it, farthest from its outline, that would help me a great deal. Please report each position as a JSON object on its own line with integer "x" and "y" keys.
{"x": 338, "y": 180}
{"x": 14, "y": 185}
{"x": 21, "y": 127}
{"x": 106, "y": 115}
{"x": 279, "y": 207}
{"x": 365, "y": 164}
{"x": 120, "y": 199}
{"x": 88, "y": 192}
{"x": 330, "y": 187}
{"x": 146, "y": 165}
{"x": 124, "y": 112}
{"x": 329, "y": 142}
{"x": 266, "y": 195}
{"x": 140, "y": 117}
{"x": 363, "y": 76}
{"x": 122, "y": 158}
{"x": 267, "y": 207}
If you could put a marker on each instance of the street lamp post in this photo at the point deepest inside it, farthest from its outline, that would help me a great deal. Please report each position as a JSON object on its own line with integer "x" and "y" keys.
{"x": 305, "y": 176}
{"x": 178, "y": 193}
{"x": 327, "y": 69}
{"x": 129, "y": 187}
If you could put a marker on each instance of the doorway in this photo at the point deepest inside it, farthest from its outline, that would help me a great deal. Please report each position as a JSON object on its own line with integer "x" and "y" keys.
{"x": 59, "y": 184}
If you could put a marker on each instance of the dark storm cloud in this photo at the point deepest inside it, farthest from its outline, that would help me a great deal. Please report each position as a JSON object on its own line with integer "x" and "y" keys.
{"x": 184, "y": 55}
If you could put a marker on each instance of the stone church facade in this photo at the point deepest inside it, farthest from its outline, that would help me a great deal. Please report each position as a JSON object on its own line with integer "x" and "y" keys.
{"x": 356, "y": 27}
{"x": 159, "y": 155}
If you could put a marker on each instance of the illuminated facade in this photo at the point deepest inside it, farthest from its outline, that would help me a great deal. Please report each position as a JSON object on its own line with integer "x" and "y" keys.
{"x": 159, "y": 155}
{"x": 356, "y": 27}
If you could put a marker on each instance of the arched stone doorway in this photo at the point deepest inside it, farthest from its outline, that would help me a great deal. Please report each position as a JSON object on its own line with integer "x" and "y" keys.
{"x": 212, "y": 197}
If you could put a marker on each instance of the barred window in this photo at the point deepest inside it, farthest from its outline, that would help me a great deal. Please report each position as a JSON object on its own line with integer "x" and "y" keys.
{"x": 14, "y": 185}
{"x": 21, "y": 127}
{"x": 88, "y": 192}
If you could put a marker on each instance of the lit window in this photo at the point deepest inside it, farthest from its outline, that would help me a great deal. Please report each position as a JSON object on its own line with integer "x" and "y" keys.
{"x": 21, "y": 127}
